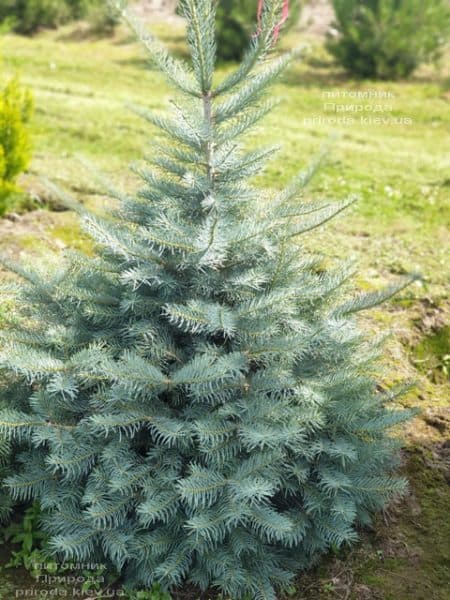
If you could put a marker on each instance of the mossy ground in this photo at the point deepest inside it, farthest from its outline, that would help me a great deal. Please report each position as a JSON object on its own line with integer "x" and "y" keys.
{"x": 401, "y": 173}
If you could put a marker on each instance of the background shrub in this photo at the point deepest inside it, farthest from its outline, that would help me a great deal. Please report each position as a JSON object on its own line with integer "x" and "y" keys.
{"x": 28, "y": 16}
{"x": 236, "y": 22}
{"x": 15, "y": 148}
{"x": 79, "y": 8}
{"x": 102, "y": 19}
{"x": 389, "y": 39}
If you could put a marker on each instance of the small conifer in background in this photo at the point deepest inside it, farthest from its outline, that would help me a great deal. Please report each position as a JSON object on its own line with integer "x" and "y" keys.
{"x": 235, "y": 23}
{"x": 389, "y": 39}
{"x": 196, "y": 400}
{"x": 16, "y": 107}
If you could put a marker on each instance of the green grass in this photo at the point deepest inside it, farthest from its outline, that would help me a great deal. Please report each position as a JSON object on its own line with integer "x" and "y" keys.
{"x": 400, "y": 172}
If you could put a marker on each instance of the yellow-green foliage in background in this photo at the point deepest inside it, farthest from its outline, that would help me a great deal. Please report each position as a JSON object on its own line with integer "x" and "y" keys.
{"x": 16, "y": 107}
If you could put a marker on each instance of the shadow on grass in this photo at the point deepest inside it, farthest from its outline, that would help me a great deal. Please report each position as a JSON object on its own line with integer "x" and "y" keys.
{"x": 83, "y": 32}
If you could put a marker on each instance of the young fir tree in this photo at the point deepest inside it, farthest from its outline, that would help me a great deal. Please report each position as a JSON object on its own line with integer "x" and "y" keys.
{"x": 199, "y": 401}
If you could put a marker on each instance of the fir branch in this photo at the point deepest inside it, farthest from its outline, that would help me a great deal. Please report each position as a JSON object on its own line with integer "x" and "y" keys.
{"x": 201, "y": 17}
{"x": 253, "y": 89}
{"x": 179, "y": 131}
{"x": 243, "y": 122}
{"x": 175, "y": 70}
{"x": 367, "y": 301}
{"x": 201, "y": 317}
{"x": 260, "y": 46}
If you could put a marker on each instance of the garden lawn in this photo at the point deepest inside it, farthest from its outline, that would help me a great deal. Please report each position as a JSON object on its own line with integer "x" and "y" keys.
{"x": 400, "y": 169}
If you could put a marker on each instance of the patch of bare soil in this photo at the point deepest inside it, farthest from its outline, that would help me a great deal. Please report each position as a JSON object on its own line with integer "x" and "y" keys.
{"x": 317, "y": 17}
{"x": 156, "y": 10}
{"x": 15, "y": 228}
{"x": 433, "y": 318}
